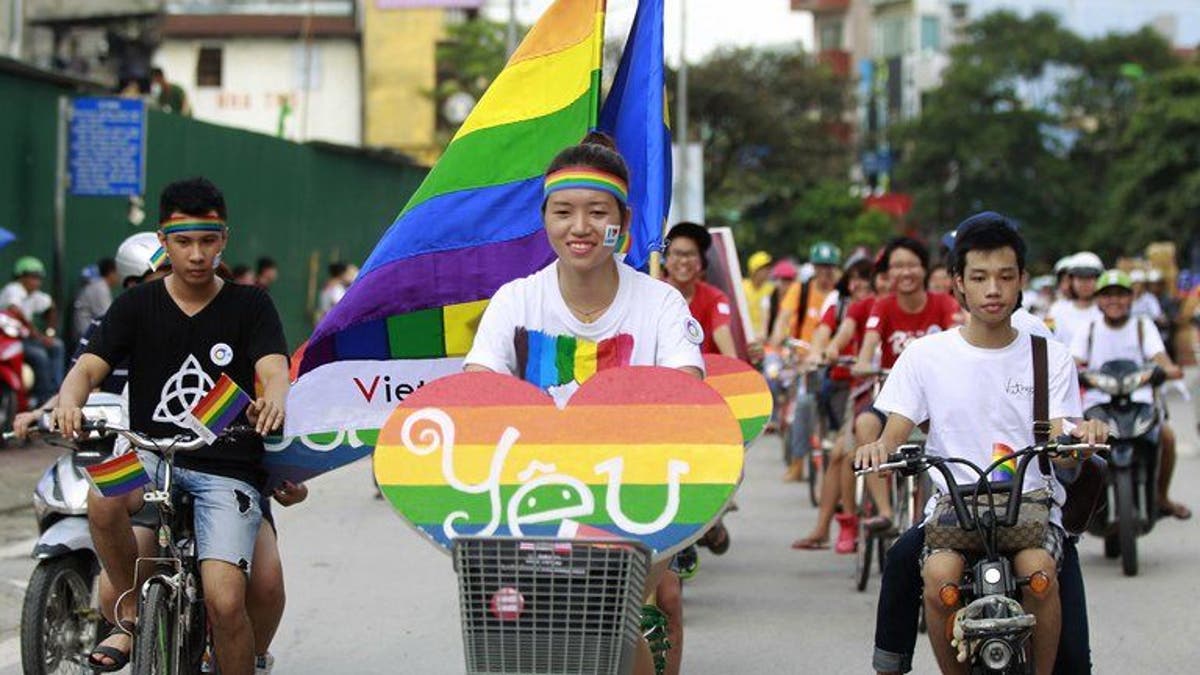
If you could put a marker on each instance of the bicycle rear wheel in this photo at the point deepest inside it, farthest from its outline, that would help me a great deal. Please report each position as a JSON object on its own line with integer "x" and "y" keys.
{"x": 154, "y": 641}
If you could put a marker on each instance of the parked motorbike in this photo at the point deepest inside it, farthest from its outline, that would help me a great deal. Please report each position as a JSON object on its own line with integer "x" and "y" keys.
{"x": 60, "y": 618}
{"x": 1132, "y": 506}
{"x": 16, "y": 377}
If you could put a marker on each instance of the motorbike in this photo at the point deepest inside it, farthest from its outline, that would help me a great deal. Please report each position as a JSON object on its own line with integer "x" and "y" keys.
{"x": 16, "y": 377}
{"x": 1132, "y": 505}
{"x": 60, "y": 616}
{"x": 992, "y": 630}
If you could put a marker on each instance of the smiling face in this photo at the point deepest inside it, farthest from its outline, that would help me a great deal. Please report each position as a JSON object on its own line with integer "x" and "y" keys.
{"x": 1115, "y": 302}
{"x": 576, "y": 220}
{"x": 683, "y": 261}
{"x": 906, "y": 272}
{"x": 990, "y": 284}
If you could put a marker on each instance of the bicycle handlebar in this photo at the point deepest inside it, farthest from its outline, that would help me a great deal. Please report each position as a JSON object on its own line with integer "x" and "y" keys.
{"x": 178, "y": 443}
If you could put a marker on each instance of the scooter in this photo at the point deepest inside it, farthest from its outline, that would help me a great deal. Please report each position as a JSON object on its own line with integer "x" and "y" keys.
{"x": 16, "y": 377}
{"x": 1132, "y": 505}
{"x": 60, "y": 618}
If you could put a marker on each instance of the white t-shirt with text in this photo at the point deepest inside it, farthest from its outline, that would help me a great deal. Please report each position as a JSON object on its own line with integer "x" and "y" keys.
{"x": 527, "y": 322}
{"x": 1111, "y": 344}
{"x": 982, "y": 416}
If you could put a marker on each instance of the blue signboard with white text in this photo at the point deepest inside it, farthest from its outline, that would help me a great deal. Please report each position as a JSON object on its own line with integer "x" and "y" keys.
{"x": 107, "y": 147}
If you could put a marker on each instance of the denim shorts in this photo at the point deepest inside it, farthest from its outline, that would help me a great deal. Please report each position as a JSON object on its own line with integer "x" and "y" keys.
{"x": 227, "y": 511}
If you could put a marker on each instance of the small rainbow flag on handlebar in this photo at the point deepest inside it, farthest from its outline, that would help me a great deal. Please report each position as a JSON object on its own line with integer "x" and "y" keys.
{"x": 121, "y": 474}
{"x": 1006, "y": 470}
{"x": 218, "y": 409}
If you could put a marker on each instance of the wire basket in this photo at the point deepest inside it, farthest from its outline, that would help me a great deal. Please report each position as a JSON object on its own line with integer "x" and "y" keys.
{"x": 543, "y": 605}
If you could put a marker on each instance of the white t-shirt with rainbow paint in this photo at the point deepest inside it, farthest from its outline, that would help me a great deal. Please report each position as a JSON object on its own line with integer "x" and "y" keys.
{"x": 979, "y": 402}
{"x": 528, "y": 331}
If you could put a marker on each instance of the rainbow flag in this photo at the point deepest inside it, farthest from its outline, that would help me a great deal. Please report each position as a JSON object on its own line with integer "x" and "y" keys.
{"x": 744, "y": 389}
{"x": 158, "y": 258}
{"x": 218, "y": 409}
{"x": 1006, "y": 470}
{"x": 473, "y": 225}
{"x": 117, "y": 476}
{"x": 635, "y": 113}
{"x": 553, "y": 360}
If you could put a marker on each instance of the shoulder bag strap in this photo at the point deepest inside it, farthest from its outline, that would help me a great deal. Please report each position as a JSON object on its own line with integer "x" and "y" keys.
{"x": 1041, "y": 398}
{"x": 801, "y": 309}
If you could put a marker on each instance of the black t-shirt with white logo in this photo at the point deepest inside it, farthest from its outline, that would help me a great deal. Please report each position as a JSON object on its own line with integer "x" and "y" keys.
{"x": 175, "y": 359}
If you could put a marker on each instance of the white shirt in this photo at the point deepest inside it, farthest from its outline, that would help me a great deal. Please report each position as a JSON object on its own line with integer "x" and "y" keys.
{"x": 974, "y": 417}
{"x": 1110, "y": 344}
{"x": 1069, "y": 319}
{"x": 30, "y": 304}
{"x": 1148, "y": 306}
{"x": 1024, "y": 321}
{"x": 648, "y": 324}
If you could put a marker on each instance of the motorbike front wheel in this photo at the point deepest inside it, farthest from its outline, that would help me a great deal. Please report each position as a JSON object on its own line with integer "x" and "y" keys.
{"x": 154, "y": 643}
{"x": 58, "y": 625}
{"x": 1127, "y": 523}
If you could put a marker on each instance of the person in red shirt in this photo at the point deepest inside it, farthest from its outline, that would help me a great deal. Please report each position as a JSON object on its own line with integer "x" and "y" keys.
{"x": 839, "y": 335}
{"x": 909, "y": 313}
{"x": 686, "y": 253}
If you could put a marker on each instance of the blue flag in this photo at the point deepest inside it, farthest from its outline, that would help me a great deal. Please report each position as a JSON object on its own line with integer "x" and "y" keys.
{"x": 635, "y": 115}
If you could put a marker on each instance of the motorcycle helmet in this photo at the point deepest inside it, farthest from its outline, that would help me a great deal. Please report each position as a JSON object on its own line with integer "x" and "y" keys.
{"x": 1086, "y": 264}
{"x": 29, "y": 265}
{"x": 134, "y": 254}
{"x": 824, "y": 253}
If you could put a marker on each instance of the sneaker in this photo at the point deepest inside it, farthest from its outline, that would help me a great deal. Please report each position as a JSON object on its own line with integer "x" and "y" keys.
{"x": 688, "y": 562}
{"x": 263, "y": 663}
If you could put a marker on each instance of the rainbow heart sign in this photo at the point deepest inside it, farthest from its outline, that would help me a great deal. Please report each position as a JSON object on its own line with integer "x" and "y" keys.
{"x": 744, "y": 389}
{"x": 644, "y": 453}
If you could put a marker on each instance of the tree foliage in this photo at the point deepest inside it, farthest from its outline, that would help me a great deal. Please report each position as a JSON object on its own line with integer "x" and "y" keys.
{"x": 1028, "y": 121}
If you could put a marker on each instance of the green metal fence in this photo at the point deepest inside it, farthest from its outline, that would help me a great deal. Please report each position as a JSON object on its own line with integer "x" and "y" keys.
{"x": 304, "y": 205}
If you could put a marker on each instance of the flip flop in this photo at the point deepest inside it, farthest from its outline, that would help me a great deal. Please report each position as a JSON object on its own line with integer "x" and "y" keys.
{"x": 119, "y": 658}
{"x": 810, "y": 544}
{"x": 878, "y": 523}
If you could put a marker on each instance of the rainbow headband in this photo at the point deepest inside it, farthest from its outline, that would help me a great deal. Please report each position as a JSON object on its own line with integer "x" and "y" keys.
{"x": 587, "y": 178}
{"x": 192, "y": 224}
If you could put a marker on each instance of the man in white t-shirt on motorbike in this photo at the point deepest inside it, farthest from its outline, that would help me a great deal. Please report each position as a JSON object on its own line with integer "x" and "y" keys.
{"x": 970, "y": 416}
{"x": 1118, "y": 335}
{"x": 1071, "y": 317}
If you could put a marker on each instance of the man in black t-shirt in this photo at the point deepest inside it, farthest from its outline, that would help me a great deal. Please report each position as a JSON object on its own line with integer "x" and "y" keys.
{"x": 180, "y": 335}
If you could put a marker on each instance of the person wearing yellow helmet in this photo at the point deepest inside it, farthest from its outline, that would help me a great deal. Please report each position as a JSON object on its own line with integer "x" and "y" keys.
{"x": 24, "y": 298}
{"x": 758, "y": 288}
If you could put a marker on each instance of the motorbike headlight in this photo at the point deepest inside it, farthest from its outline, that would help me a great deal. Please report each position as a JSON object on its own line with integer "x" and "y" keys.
{"x": 1105, "y": 383}
{"x": 1134, "y": 381}
{"x": 996, "y": 654}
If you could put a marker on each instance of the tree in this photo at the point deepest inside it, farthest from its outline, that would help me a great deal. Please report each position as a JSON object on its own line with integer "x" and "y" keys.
{"x": 771, "y": 124}
{"x": 1156, "y": 188}
{"x": 472, "y": 54}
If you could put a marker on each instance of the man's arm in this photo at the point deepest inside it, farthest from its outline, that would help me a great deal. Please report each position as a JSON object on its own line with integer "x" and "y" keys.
{"x": 782, "y": 327}
{"x": 723, "y": 337}
{"x": 895, "y": 432}
{"x": 87, "y": 374}
{"x": 870, "y": 343}
{"x": 266, "y": 414}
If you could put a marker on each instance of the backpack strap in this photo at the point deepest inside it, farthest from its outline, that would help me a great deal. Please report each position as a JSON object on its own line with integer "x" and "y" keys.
{"x": 802, "y": 308}
{"x": 1141, "y": 336}
{"x": 1091, "y": 335}
{"x": 1041, "y": 398}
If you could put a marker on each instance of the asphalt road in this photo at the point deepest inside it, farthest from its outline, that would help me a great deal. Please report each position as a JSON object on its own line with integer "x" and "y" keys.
{"x": 367, "y": 595}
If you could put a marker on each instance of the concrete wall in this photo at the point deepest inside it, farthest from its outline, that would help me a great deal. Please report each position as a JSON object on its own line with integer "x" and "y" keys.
{"x": 400, "y": 68}
{"x": 258, "y": 74}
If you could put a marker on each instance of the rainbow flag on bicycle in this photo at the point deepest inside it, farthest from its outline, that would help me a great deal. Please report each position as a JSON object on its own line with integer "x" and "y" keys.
{"x": 117, "y": 476}
{"x": 218, "y": 409}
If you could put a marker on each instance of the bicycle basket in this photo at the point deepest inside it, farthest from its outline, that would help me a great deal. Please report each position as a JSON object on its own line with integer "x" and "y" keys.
{"x": 543, "y": 605}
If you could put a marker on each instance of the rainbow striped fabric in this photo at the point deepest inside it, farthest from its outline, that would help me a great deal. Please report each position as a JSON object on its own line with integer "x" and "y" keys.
{"x": 191, "y": 224}
{"x": 1007, "y": 470}
{"x": 158, "y": 258}
{"x": 218, "y": 409}
{"x": 554, "y": 360}
{"x": 117, "y": 476}
{"x": 744, "y": 389}
{"x": 473, "y": 225}
{"x": 584, "y": 177}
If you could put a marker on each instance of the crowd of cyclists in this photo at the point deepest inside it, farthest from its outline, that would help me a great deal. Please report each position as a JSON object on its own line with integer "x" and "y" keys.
{"x": 883, "y": 337}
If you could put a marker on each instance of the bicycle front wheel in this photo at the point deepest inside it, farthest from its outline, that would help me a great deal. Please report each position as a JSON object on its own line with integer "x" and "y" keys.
{"x": 154, "y": 642}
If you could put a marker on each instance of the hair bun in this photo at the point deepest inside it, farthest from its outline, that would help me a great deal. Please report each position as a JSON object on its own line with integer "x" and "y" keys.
{"x": 596, "y": 137}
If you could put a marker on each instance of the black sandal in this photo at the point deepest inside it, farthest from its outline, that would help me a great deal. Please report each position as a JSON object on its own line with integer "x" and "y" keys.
{"x": 119, "y": 658}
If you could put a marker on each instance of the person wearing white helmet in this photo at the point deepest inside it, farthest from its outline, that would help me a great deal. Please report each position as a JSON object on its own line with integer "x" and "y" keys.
{"x": 1070, "y": 317}
{"x": 1145, "y": 304}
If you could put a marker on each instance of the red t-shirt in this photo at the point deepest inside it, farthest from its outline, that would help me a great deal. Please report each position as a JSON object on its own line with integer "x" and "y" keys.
{"x": 860, "y": 311}
{"x": 711, "y": 308}
{"x": 898, "y": 328}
